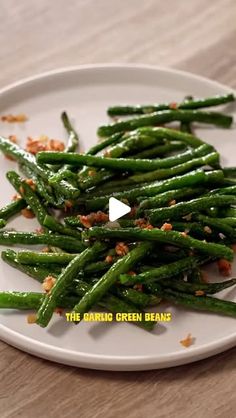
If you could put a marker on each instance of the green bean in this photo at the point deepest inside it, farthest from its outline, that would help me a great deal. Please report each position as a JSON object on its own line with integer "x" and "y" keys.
{"x": 33, "y": 258}
{"x": 133, "y": 142}
{"x": 194, "y": 178}
{"x": 54, "y": 225}
{"x": 31, "y": 300}
{"x": 121, "y": 266}
{"x": 166, "y": 116}
{"x": 28, "y": 194}
{"x": 73, "y": 139}
{"x": 73, "y": 221}
{"x": 184, "y": 208}
{"x": 162, "y": 272}
{"x": 192, "y": 288}
{"x": 165, "y": 198}
{"x": 121, "y": 163}
{"x": 217, "y": 224}
{"x": 163, "y": 173}
{"x": 24, "y": 157}
{"x": 160, "y": 150}
{"x": 12, "y": 209}
{"x": 186, "y": 104}
{"x": 173, "y": 135}
{"x": 203, "y": 303}
{"x": 37, "y": 272}
{"x": 116, "y": 305}
{"x": 224, "y": 190}
{"x": 46, "y": 309}
{"x": 30, "y": 238}
{"x": 168, "y": 237}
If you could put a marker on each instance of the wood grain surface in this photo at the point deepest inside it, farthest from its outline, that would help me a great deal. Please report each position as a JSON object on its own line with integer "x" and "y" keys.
{"x": 198, "y": 36}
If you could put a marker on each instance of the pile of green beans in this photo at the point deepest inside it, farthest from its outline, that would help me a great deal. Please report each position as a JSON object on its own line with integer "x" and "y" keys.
{"x": 183, "y": 215}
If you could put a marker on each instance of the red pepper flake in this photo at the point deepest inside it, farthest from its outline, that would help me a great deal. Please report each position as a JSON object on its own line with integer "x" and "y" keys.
{"x": 166, "y": 227}
{"x": 31, "y": 318}
{"x": 13, "y": 139}
{"x": 16, "y": 197}
{"x": 21, "y": 190}
{"x": 121, "y": 249}
{"x": 68, "y": 204}
{"x": 48, "y": 283}
{"x": 30, "y": 183}
{"x": 199, "y": 293}
{"x": 188, "y": 341}
{"x": 27, "y": 213}
{"x": 132, "y": 273}
{"x": 109, "y": 259}
{"x": 59, "y": 311}
{"x": 173, "y": 105}
{"x": 86, "y": 222}
{"x": 225, "y": 267}
{"x": 14, "y": 118}
{"x": 43, "y": 143}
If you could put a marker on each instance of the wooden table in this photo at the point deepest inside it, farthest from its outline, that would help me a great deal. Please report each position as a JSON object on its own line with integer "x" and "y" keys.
{"x": 198, "y": 36}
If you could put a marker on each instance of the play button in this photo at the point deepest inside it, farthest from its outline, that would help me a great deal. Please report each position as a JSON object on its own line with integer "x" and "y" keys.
{"x": 117, "y": 209}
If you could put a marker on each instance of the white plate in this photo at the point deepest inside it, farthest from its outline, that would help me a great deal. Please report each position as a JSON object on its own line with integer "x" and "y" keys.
{"x": 85, "y": 92}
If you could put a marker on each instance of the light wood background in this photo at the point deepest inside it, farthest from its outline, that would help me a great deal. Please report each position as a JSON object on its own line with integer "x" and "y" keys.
{"x": 194, "y": 35}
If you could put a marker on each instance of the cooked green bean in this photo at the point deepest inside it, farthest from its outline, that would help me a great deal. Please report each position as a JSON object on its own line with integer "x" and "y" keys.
{"x": 163, "y": 173}
{"x": 120, "y": 163}
{"x": 168, "y": 237}
{"x": 193, "y": 288}
{"x": 186, "y": 104}
{"x": 162, "y": 272}
{"x": 31, "y": 238}
{"x": 48, "y": 305}
{"x": 160, "y": 150}
{"x": 33, "y": 258}
{"x": 194, "y": 178}
{"x": 165, "y": 198}
{"x": 12, "y": 209}
{"x": 37, "y": 272}
{"x": 31, "y": 300}
{"x": 166, "y": 116}
{"x": 184, "y": 208}
{"x": 121, "y": 266}
{"x": 202, "y": 303}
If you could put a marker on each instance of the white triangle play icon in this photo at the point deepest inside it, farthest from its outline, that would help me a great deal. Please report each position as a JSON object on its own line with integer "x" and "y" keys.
{"x": 117, "y": 209}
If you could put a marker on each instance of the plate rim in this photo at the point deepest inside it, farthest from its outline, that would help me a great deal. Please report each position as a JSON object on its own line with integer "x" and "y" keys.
{"x": 98, "y": 361}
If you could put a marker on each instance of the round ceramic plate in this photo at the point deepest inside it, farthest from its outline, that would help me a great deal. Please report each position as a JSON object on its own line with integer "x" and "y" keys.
{"x": 86, "y": 92}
